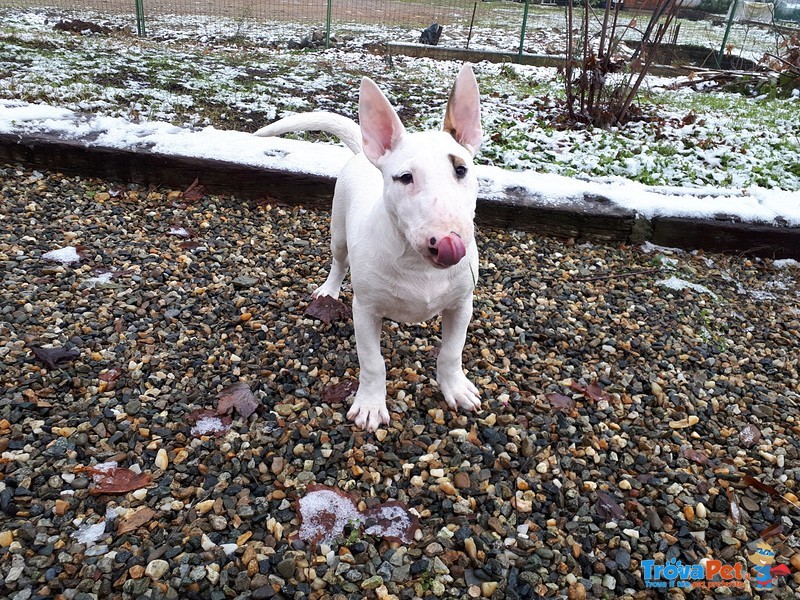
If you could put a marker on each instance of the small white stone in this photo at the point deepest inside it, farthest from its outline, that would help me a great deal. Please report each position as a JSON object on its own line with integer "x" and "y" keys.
{"x": 156, "y": 569}
{"x": 162, "y": 459}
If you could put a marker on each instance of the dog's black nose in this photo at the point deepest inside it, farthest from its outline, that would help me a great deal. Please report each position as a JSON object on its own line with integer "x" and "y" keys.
{"x": 433, "y": 241}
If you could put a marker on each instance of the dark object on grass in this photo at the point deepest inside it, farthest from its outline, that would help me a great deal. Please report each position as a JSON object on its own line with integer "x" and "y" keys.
{"x": 430, "y": 35}
{"x": 82, "y": 27}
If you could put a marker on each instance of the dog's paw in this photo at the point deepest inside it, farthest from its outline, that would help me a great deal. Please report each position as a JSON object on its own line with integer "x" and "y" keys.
{"x": 459, "y": 392}
{"x": 326, "y": 290}
{"x": 369, "y": 413}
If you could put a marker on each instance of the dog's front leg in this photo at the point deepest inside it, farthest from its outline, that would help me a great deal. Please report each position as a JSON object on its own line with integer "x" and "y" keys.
{"x": 457, "y": 389}
{"x": 369, "y": 406}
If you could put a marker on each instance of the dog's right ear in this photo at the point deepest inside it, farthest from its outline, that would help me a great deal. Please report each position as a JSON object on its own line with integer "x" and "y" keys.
{"x": 380, "y": 125}
{"x": 462, "y": 117}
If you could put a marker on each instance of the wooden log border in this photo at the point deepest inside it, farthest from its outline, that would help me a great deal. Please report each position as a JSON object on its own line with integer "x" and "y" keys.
{"x": 592, "y": 217}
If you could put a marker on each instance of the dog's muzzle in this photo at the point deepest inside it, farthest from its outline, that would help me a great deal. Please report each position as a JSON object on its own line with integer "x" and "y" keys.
{"x": 447, "y": 251}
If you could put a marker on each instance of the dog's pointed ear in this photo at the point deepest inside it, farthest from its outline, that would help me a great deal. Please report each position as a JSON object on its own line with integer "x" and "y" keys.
{"x": 380, "y": 125}
{"x": 462, "y": 118}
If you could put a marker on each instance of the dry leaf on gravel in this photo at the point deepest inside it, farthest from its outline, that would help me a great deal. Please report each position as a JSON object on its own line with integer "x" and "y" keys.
{"x": 325, "y": 512}
{"x": 134, "y": 521}
{"x": 560, "y": 402}
{"x": 608, "y": 508}
{"x": 238, "y": 396}
{"x": 336, "y": 393}
{"x": 53, "y": 357}
{"x": 328, "y": 310}
{"x": 110, "y": 479}
{"x": 194, "y": 192}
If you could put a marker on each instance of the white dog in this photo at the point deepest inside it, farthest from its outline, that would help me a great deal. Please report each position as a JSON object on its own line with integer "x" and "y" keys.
{"x": 402, "y": 221}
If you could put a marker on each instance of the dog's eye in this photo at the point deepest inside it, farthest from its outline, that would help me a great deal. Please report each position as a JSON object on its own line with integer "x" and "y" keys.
{"x": 461, "y": 171}
{"x": 405, "y": 178}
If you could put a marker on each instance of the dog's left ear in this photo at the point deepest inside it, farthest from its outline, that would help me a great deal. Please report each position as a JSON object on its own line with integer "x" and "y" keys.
{"x": 380, "y": 126}
{"x": 462, "y": 118}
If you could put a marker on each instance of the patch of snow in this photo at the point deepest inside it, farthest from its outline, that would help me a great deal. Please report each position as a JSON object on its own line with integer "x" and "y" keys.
{"x": 325, "y": 514}
{"x": 66, "y": 256}
{"x": 100, "y": 279}
{"x": 786, "y": 263}
{"x": 89, "y": 534}
{"x": 648, "y": 247}
{"x": 678, "y": 284}
{"x": 209, "y": 426}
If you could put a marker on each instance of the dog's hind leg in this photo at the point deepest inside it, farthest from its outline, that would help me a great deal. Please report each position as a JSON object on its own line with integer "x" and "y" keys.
{"x": 341, "y": 261}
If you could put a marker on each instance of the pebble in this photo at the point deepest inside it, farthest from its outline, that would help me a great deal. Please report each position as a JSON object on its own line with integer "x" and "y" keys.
{"x": 518, "y": 500}
{"x": 156, "y": 569}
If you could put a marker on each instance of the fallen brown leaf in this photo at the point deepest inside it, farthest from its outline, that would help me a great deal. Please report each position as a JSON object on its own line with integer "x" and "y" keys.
{"x": 53, "y": 357}
{"x": 115, "y": 480}
{"x": 328, "y": 310}
{"x": 560, "y": 402}
{"x": 336, "y": 393}
{"x": 238, "y": 396}
{"x": 136, "y": 520}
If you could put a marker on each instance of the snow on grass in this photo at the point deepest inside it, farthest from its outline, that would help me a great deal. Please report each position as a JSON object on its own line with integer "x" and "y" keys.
{"x": 200, "y": 72}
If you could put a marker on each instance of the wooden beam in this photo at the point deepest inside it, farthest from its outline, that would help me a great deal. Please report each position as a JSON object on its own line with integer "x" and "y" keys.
{"x": 591, "y": 217}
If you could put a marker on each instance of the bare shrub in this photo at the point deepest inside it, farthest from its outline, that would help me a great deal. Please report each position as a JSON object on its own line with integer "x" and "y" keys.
{"x": 601, "y": 79}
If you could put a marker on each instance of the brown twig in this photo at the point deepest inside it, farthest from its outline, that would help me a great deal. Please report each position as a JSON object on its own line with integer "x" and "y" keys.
{"x": 615, "y": 275}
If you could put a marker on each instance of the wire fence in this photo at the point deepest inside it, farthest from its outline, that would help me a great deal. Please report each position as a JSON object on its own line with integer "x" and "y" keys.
{"x": 709, "y": 29}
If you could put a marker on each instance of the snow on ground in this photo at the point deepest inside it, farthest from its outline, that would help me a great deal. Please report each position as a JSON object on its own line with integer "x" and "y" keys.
{"x": 754, "y": 204}
{"x": 187, "y": 90}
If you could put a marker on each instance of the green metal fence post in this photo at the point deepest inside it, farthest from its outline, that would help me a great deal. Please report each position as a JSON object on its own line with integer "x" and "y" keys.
{"x": 328, "y": 26}
{"x": 522, "y": 33}
{"x": 727, "y": 32}
{"x": 140, "y": 18}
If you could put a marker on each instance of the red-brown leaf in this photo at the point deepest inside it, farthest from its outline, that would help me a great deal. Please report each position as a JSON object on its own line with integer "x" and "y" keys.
{"x": 116, "y": 480}
{"x": 762, "y": 487}
{"x": 749, "y": 436}
{"x": 607, "y": 507}
{"x": 578, "y": 387}
{"x": 136, "y": 520}
{"x": 53, "y": 357}
{"x": 697, "y": 457}
{"x": 237, "y": 396}
{"x": 771, "y": 531}
{"x": 112, "y": 374}
{"x": 208, "y": 422}
{"x": 596, "y": 393}
{"x": 336, "y": 393}
{"x": 392, "y": 521}
{"x": 593, "y": 391}
{"x": 560, "y": 402}
{"x": 194, "y": 192}
{"x": 328, "y": 309}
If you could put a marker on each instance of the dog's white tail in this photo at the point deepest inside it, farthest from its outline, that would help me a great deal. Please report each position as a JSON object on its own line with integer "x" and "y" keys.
{"x": 345, "y": 129}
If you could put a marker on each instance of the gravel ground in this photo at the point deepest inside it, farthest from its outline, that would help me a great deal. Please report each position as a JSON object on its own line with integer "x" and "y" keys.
{"x": 689, "y": 451}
